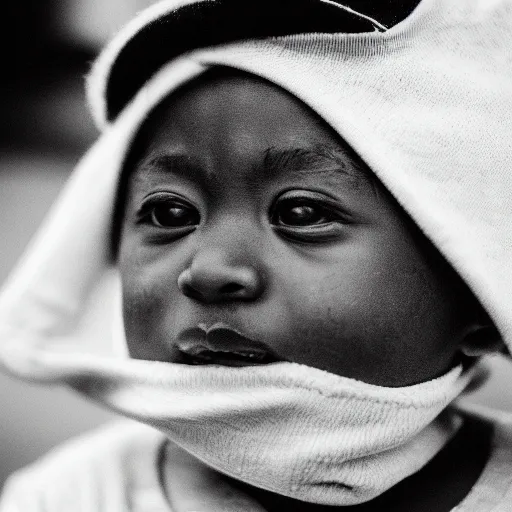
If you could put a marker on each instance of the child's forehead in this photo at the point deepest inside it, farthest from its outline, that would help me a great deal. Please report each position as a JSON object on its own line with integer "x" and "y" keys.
{"x": 225, "y": 102}
{"x": 223, "y": 92}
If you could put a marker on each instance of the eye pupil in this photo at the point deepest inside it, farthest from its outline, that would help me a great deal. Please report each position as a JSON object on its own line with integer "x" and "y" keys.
{"x": 174, "y": 216}
{"x": 300, "y": 215}
{"x": 177, "y": 212}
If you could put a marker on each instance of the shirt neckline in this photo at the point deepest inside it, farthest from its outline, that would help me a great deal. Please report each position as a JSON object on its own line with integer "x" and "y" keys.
{"x": 495, "y": 481}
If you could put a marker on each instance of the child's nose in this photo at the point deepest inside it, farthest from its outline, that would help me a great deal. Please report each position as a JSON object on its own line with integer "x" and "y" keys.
{"x": 213, "y": 278}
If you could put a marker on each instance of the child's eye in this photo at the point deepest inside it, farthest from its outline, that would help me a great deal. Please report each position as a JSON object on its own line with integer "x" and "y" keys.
{"x": 168, "y": 212}
{"x": 308, "y": 217}
{"x": 299, "y": 212}
{"x": 174, "y": 216}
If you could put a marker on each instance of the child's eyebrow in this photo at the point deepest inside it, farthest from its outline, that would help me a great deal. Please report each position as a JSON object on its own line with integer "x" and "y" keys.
{"x": 175, "y": 163}
{"x": 168, "y": 162}
{"x": 319, "y": 159}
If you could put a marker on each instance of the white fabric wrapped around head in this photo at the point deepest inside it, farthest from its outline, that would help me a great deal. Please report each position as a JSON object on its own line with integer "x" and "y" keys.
{"x": 426, "y": 105}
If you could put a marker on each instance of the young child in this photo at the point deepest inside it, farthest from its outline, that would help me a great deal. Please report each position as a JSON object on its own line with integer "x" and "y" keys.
{"x": 311, "y": 232}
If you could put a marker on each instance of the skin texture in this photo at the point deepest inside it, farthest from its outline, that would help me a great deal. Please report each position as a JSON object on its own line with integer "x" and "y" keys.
{"x": 239, "y": 205}
{"x": 355, "y": 290}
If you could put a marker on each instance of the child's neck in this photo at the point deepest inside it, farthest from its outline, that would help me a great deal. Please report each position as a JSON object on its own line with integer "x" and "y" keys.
{"x": 438, "y": 487}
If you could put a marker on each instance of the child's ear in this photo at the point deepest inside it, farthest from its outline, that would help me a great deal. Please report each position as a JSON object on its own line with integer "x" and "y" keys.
{"x": 481, "y": 339}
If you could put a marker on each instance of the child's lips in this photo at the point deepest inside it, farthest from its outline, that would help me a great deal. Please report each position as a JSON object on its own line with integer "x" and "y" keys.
{"x": 221, "y": 344}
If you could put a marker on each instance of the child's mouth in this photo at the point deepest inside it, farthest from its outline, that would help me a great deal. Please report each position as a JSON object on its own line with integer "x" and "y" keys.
{"x": 221, "y": 345}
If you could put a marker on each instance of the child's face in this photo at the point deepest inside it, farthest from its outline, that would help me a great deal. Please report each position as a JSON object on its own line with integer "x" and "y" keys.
{"x": 244, "y": 208}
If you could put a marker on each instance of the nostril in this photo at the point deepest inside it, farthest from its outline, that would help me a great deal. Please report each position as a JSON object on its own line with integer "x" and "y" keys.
{"x": 230, "y": 288}
{"x": 219, "y": 283}
{"x": 190, "y": 291}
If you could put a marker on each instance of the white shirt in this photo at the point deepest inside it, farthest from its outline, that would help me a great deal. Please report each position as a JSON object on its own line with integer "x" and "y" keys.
{"x": 116, "y": 469}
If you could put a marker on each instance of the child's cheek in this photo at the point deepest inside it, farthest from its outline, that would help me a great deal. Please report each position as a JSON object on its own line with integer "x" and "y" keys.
{"x": 148, "y": 289}
{"x": 385, "y": 323}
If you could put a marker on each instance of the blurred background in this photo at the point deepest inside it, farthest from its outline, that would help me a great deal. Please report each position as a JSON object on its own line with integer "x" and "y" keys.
{"x": 47, "y": 47}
